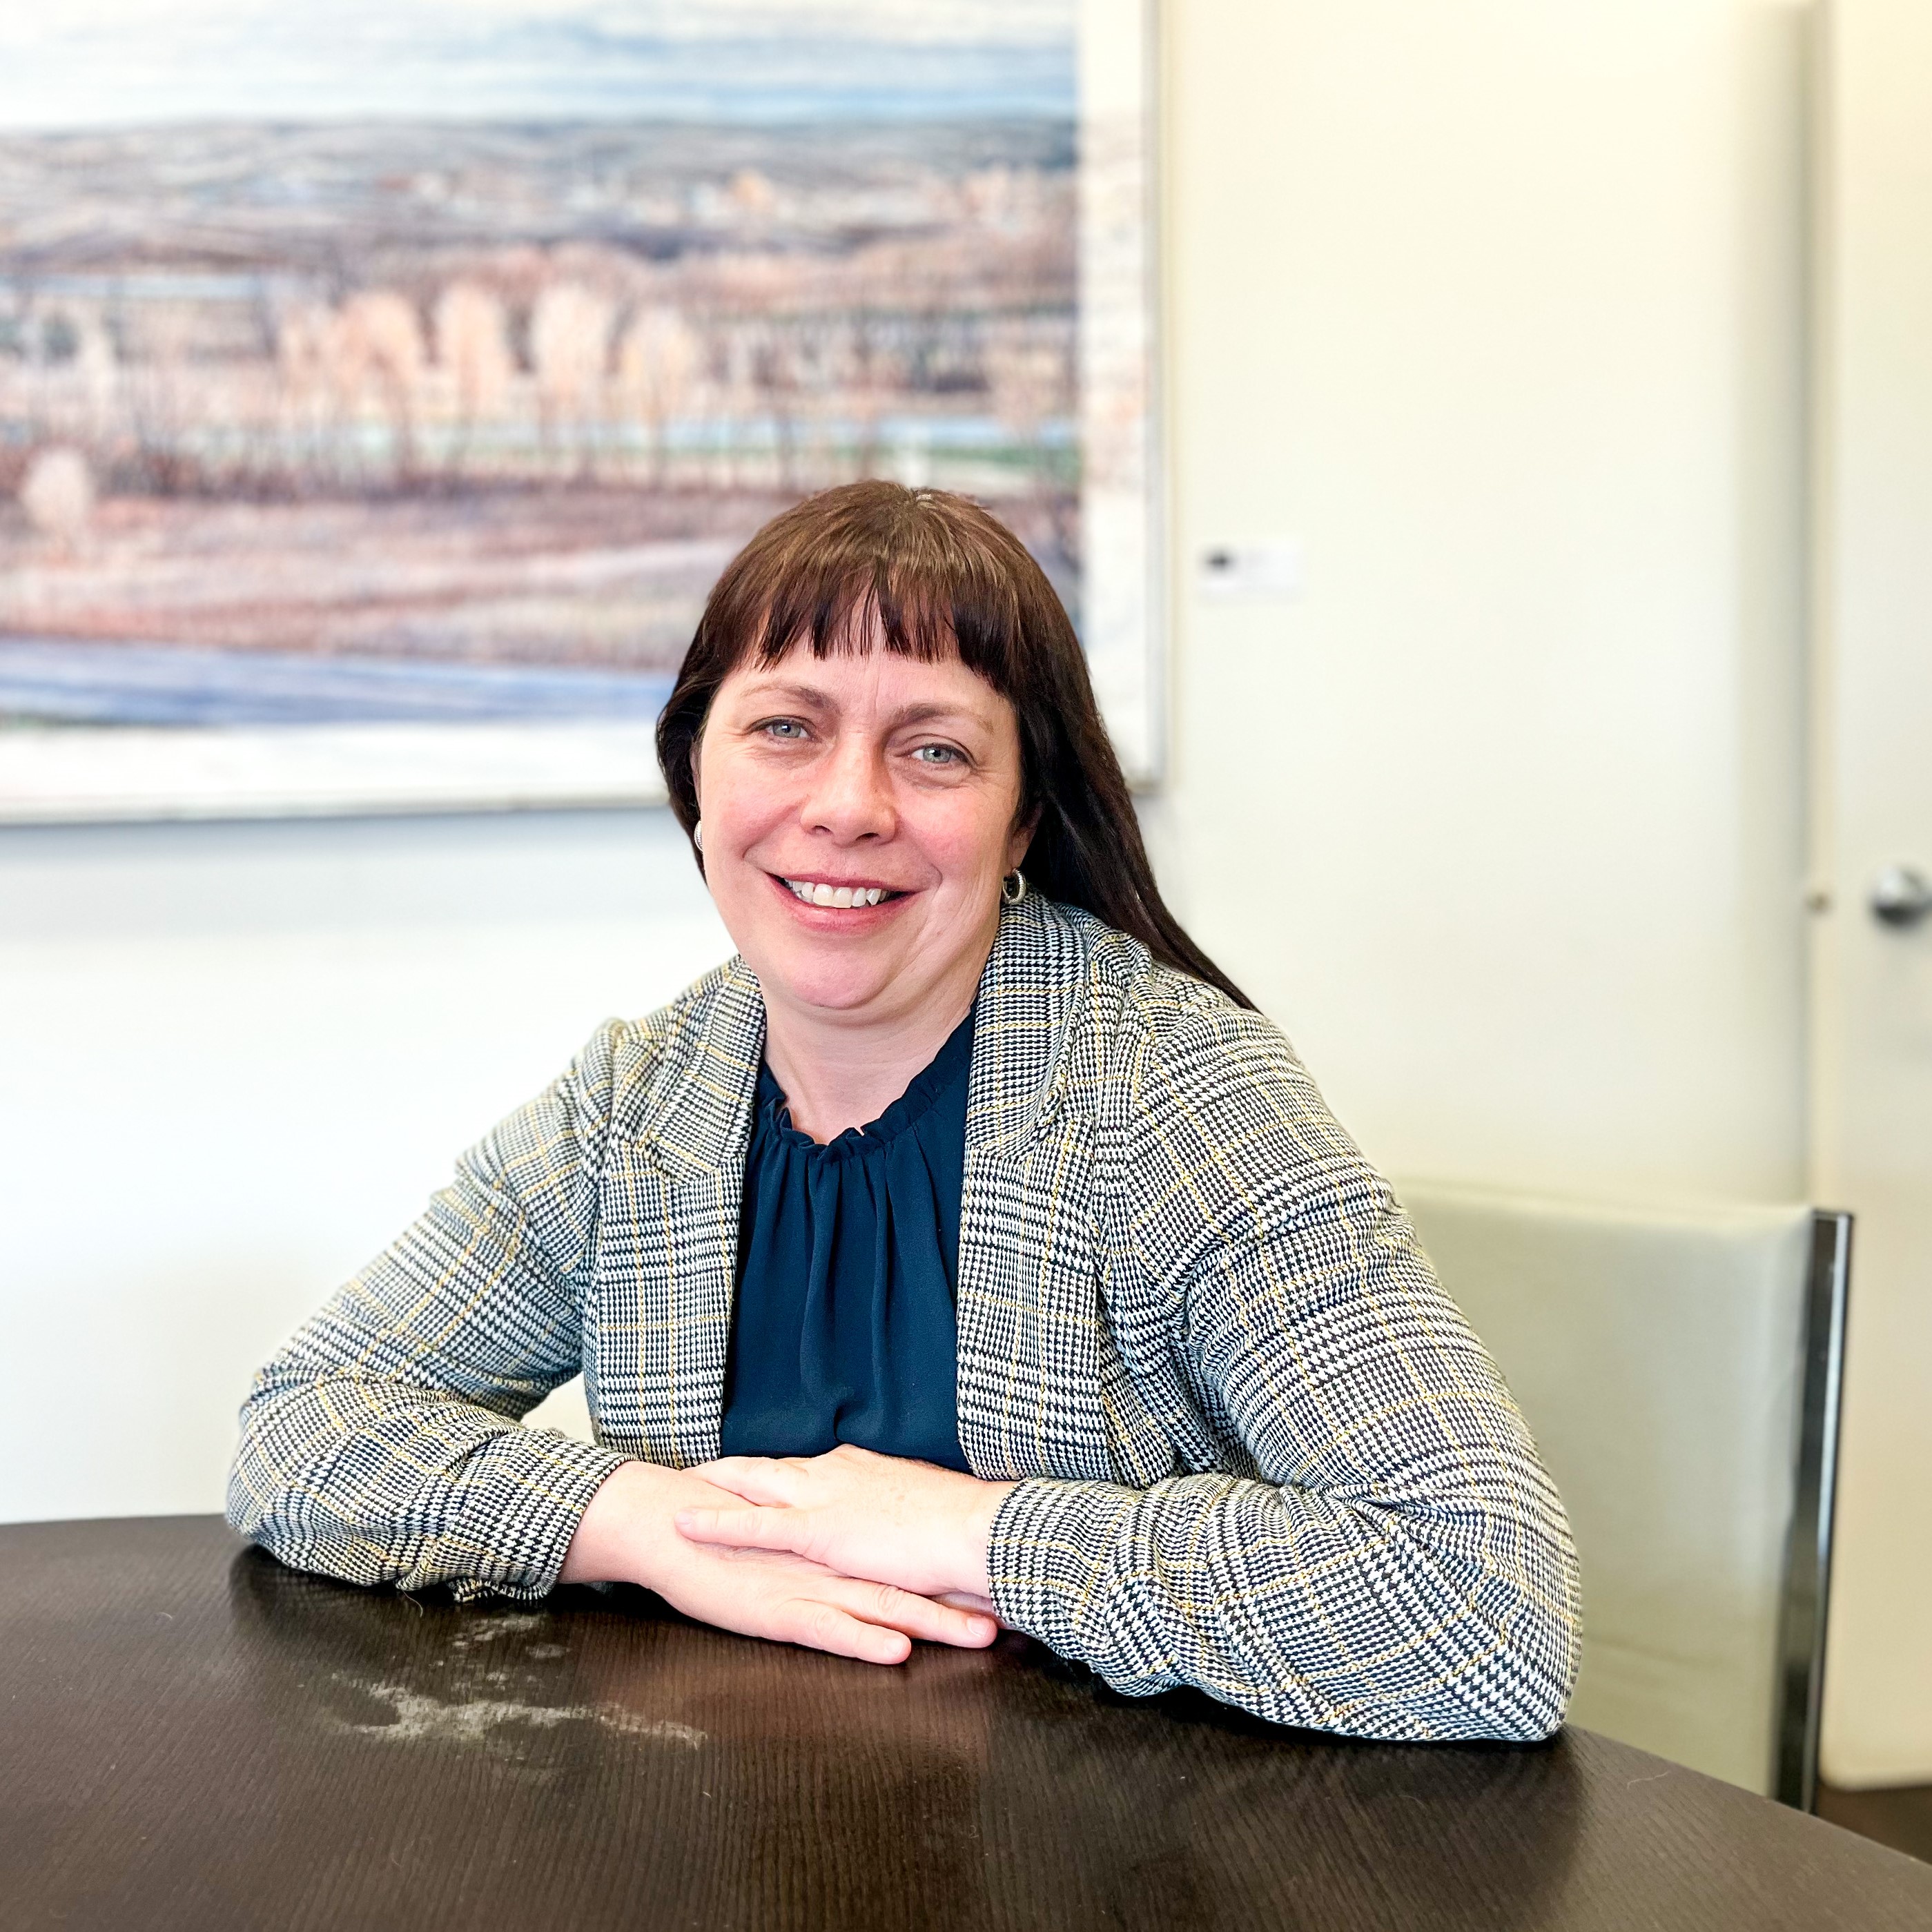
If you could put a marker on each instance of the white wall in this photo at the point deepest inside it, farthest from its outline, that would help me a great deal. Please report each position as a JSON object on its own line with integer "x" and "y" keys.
{"x": 234, "y": 1059}
{"x": 1495, "y": 308}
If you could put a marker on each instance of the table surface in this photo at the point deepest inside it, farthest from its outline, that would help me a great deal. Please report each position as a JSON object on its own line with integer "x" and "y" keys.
{"x": 193, "y": 1736}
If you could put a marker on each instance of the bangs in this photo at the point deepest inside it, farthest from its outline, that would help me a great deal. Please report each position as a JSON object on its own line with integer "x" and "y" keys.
{"x": 888, "y": 569}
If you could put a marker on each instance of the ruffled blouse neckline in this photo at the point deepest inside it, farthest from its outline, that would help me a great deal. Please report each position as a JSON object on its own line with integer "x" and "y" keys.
{"x": 926, "y": 1089}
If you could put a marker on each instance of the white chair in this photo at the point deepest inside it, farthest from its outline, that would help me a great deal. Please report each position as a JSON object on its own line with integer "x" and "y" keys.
{"x": 1680, "y": 1371}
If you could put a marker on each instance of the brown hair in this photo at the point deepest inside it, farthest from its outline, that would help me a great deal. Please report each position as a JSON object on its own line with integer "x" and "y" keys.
{"x": 942, "y": 576}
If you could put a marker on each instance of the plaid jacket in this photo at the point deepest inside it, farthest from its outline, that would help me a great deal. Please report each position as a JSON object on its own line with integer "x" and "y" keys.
{"x": 1266, "y": 1456}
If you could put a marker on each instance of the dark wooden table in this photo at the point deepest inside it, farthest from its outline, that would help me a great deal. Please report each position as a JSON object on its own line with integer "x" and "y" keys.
{"x": 192, "y": 1736}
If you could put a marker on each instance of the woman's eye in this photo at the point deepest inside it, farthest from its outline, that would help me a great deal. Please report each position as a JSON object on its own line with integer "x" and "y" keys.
{"x": 937, "y": 754}
{"x": 788, "y": 729}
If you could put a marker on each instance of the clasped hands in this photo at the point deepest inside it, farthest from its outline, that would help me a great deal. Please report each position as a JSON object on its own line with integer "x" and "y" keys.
{"x": 850, "y": 1552}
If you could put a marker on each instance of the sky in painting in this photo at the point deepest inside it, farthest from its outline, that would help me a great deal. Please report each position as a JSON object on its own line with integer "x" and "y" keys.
{"x": 96, "y": 63}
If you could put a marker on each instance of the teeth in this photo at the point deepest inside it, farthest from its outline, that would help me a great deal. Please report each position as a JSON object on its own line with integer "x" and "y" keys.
{"x": 836, "y": 895}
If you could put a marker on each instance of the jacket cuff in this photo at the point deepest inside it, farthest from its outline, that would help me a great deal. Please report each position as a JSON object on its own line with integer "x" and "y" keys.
{"x": 526, "y": 1493}
{"x": 1048, "y": 1555}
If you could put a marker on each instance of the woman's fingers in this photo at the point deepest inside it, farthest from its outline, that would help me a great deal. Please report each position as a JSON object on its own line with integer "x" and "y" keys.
{"x": 777, "y": 1595}
{"x": 818, "y": 1625}
{"x": 964, "y": 1600}
{"x": 887, "y": 1605}
{"x": 785, "y": 1530}
{"x": 875, "y": 1622}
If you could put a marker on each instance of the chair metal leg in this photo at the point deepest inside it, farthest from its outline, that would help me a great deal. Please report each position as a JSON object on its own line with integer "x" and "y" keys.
{"x": 1808, "y": 1574}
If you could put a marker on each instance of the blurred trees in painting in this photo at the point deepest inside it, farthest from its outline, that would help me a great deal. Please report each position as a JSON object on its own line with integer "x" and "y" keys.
{"x": 506, "y": 393}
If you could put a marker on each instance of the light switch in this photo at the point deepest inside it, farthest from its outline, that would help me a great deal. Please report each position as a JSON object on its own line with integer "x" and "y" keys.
{"x": 1249, "y": 572}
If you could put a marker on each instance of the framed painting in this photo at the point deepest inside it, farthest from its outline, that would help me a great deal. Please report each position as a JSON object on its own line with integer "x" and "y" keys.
{"x": 383, "y": 386}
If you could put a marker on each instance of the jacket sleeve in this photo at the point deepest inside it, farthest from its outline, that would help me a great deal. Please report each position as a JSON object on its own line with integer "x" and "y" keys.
{"x": 383, "y": 1443}
{"x": 1389, "y": 1559}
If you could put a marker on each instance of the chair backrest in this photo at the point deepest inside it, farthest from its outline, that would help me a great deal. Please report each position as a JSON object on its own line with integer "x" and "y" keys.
{"x": 1672, "y": 1365}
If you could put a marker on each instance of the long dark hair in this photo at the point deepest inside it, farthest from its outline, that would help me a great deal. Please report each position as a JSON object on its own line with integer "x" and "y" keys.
{"x": 942, "y": 576}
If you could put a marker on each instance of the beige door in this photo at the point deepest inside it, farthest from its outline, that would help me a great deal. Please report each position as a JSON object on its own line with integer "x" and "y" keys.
{"x": 1872, "y": 804}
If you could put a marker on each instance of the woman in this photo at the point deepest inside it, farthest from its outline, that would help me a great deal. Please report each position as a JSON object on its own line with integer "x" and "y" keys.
{"x": 966, "y": 1248}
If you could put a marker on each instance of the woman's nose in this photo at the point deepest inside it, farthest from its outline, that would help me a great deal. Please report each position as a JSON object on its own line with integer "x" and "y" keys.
{"x": 851, "y": 797}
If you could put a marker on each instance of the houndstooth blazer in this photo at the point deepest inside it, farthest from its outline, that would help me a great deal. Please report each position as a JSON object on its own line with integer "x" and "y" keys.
{"x": 1263, "y": 1454}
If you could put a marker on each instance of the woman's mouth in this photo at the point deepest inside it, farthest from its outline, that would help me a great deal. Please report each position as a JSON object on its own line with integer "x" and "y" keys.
{"x": 821, "y": 892}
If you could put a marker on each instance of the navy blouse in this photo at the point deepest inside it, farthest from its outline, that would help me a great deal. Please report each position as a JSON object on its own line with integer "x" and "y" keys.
{"x": 843, "y": 1329}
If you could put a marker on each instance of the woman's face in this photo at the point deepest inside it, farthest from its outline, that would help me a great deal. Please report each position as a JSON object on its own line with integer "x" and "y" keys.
{"x": 888, "y": 787}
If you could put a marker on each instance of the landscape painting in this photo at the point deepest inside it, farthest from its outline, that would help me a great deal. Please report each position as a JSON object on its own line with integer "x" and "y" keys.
{"x": 381, "y": 388}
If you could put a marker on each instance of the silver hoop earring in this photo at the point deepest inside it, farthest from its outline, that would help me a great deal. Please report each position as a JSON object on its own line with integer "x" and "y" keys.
{"x": 697, "y": 833}
{"x": 1013, "y": 886}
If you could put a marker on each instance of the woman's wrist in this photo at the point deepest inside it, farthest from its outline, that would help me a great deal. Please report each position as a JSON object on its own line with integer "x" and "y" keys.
{"x": 980, "y": 1536}
{"x": 630, "y": 1512}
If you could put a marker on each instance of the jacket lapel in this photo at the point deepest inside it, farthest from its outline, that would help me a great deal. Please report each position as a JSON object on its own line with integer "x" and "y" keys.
{"x": 1029, "y": 1353}
{"x": 672, "y": 1200}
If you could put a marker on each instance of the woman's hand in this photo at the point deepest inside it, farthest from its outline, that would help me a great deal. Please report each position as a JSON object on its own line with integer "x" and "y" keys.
{"x": 627, "y": 1536}
{"x": 885, "y": 1518}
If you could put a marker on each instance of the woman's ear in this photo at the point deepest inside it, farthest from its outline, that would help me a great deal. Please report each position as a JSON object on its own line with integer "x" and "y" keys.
{"x": 1019, "y": 840}
{"x": 692, "y": 764}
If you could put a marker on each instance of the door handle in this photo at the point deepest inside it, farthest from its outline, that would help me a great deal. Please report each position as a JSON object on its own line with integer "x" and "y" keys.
{"x": 1901, "y": 896}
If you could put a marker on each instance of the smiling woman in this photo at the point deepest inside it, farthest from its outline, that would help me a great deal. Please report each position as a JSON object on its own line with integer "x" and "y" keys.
{"x": 864, "y": 808}
{"x": 965, "y": 1251}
